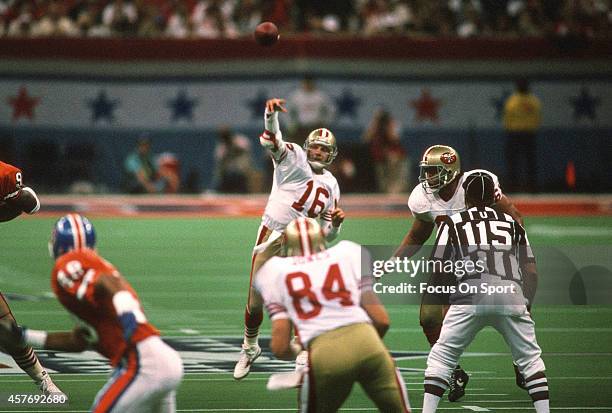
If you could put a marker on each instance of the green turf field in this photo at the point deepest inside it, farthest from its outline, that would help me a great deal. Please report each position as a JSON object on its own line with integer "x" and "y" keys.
{"x": 192, "y": 277}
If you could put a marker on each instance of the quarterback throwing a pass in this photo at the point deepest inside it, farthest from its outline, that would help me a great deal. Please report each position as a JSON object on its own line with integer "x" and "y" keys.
{"x": 302, "y": 187}
{"x": 339, "y": 318}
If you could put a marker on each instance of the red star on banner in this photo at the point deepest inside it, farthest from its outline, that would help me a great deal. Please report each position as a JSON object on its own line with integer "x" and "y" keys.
{"x": 426, "y": 107}
{"x": 23, "y": 105}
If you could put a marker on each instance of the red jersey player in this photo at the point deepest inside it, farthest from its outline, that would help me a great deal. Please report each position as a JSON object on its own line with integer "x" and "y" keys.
{"x": 16, "y": 198}
{"x": 147, "y": 371}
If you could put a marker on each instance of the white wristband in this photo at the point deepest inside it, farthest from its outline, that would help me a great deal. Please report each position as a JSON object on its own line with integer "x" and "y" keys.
{"x": 271, "y": 122}
{"x": 35, "y": 338}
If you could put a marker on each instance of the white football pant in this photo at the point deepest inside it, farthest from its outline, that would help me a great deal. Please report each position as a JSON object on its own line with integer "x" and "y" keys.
{"x": 463, "y": 322}
{"x": 146, "y": 381}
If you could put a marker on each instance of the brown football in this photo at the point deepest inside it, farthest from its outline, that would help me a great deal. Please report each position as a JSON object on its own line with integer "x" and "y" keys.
{"x": 266, "y": 34}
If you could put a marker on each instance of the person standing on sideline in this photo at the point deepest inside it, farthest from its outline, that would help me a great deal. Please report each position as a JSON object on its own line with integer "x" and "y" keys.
{"x": 522, "y": 119}
{"x": 309, "y": 108}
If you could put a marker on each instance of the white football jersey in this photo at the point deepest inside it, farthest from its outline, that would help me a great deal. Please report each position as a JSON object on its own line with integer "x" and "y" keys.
{"x": 319, "y": 293}
{"x": 298, "y": 191}
{"x": 427, "y": 207}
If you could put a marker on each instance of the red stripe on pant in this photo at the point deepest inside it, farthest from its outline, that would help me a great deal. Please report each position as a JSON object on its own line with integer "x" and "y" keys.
{"x": 108, "y": 400}
{"x": 402, "y": 388}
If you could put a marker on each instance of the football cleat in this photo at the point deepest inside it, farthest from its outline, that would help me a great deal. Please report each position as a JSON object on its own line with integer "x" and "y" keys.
{"x": 458, "y": 382}
{"x": 247, "y": 356}
{"x": 520, "y": 379}
{"x": 47, "y": 387}
{"x": 301, "y": 361}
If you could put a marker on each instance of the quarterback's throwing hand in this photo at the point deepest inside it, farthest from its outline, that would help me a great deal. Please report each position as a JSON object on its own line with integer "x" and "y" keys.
{"x": 337, "y": 217}
{"x": 275, "y": 105}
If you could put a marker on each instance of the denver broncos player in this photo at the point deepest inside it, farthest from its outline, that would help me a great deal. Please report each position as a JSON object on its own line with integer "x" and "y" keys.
{"x": 301, "y": 187}
{"x": 16, "y": 198}
{"x": 339, "y": 318}
{"x": 441, "y": 194}
{"x": 111, "y": 321}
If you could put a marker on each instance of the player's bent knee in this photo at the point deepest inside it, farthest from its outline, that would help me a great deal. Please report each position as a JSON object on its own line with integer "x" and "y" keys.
{"x": 532, "y": 368}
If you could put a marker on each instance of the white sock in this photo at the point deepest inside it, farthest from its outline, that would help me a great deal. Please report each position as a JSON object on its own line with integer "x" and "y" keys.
{"x": 541, "y": 406}
{"x": 430, "y": 402}
{"x": 251, "y": 341}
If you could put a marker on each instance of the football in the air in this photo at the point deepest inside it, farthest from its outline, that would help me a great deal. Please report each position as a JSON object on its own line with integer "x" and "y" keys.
{"x": 266, "y": 34}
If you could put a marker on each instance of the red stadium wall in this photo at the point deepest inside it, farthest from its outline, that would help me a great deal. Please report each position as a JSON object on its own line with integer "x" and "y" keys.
{"x": 252, "y": 205}
{"x": 394, "y": 48}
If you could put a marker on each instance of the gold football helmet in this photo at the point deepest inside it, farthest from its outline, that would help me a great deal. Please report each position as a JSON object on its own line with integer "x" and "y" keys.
{"x": 438, "y": 167}
{"x": 322, "y": 137}
{"x": 303, "y": 236}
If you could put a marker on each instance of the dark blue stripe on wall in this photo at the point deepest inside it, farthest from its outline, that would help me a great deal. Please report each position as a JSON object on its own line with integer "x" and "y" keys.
{"x": 589, "y": 149}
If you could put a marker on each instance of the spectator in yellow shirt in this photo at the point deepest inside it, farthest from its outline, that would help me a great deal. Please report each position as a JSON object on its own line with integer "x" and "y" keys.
{"x": 522, "y": 119}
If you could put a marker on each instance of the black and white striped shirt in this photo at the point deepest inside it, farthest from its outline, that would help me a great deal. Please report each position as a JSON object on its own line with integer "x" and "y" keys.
{"x": 484, "y": 234}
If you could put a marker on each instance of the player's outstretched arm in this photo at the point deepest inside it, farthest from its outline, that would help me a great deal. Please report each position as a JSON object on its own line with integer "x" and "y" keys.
{"x": 415, "y": 238}
{"x": 14, "y": 337}
{"x": 280, "y": 343}
{"x": 272, "y": 138}
{"x": 26, "y": 201}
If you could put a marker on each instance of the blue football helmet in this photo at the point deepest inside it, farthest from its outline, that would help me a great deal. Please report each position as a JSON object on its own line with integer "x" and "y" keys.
{"x": 71, "y": 232}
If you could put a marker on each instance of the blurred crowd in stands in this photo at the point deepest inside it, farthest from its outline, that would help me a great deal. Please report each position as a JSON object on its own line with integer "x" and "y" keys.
{"x": 237, "y": 18}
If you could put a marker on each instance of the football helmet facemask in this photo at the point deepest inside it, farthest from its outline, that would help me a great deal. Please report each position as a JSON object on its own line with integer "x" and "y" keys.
{"x": 71, "y": 232}
{"x": 325, "y": 138}
{"x": 438, "y": 167}
{"x": 304, "y": 236}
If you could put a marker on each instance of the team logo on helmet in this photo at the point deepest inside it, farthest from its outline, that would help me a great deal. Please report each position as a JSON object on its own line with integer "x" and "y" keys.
{"x": 71, "y": 232}
{"x": 438, "y": 167}
{"x": 448, "y": 158}
{"x": 304, "y": 236}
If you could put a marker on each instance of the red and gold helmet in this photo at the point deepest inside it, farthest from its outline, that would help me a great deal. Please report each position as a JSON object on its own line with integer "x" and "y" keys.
{"x": 323, "y": 137}
{"x": 438, "y": 167}
{"x": 303, "y": 236}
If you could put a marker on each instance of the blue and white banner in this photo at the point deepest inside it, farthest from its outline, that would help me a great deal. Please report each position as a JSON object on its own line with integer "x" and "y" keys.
{"x": 196, "y": 104}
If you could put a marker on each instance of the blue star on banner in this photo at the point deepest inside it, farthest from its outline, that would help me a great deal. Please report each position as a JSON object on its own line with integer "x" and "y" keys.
{"x": 585, "y": 105}
{"x": 347, "y": 104}
{"x": 102, "y": 107}
{"x": 182, "y": 106}
{"x": 499, "y": 102}
{"x": 257, "y": 104}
